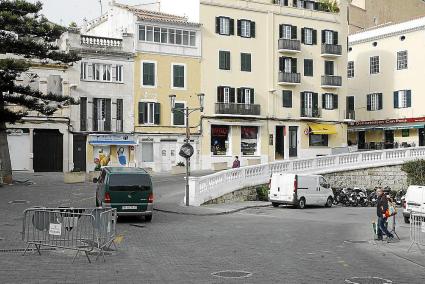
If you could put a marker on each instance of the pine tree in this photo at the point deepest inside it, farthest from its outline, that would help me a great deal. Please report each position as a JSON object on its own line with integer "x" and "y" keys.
{"x": 28, "y": 35}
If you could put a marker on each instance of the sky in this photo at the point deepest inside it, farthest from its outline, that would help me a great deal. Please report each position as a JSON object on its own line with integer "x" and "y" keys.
{"x": 67, "y": 11}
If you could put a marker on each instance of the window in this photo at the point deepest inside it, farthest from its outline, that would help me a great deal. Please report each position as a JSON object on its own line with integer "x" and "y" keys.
{"x": 308, "y": 36}
{"x": 224, "y": 60}
{"x": 120, "y": 115}
{"x": 225, "y": 94}
{"x": 119, "y": 73}
{"x": 96, "y": 72}
{"x": 374, "y": 101}
{"x": 246, "y": 62}
{"x": 179, "y": 76}
{"x": 288, "y": 65}
{"x": 164, "y": 35}
{"x": 224, "y": 26}
{"x": 402, "y": 99}
{"x": 83, "y": 114}
{"x": 171, "y": 36}
{"x": 329, "y": 37}
{"x": 249, "y": 141}
{"x": 142, "y": 32}
{"x": 149, "y": 113}
{"x": 149, "y": 33}
{"x": 309, "y": 104}
{"x": 329, "y": 68}
{"x": 405, "y": 133}
{"x": 245, "y": 96}
{"x": 287, "y": 98}
{"x": 185, "y": 37}
{"x": 84, "y": 73}
{"x": 179, "y": 35}
{"x": 178, "y": 116}
{"x": 318, "y": 140}
{"x": 286, "y": 31}
{"x": 308, "y": 67}
{"x": 167, "y": 36}
{"x": 148, "y": 73}
{"x": 246, "y": 28}
{"x": 106, "y": 72}
{"x": 101, "y": 114}
{"x": 329, "y": 101}
{"x": 220, "y": 139}
{"x": 350, "y": 69}
{"x": 157, "y": 34}
{"x": 402, "y": 60}
{"x": 374, "y": 65}
{"x": 192, "y": 38}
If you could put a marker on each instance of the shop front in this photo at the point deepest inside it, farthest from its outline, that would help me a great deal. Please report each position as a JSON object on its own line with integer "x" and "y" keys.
{"x": 111, "y": 150}
{"x": 387, "y": 134}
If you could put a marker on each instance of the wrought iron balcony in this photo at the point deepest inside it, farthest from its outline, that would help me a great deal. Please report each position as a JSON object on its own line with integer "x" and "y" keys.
{"x": 289, "y": 45}
{"x": 238, "y": 109}
{"x": 311, "y": 112}
{"x": 330, "y": 81}
{"x": 285, "y": 78}
{"x": 331, "y": 50}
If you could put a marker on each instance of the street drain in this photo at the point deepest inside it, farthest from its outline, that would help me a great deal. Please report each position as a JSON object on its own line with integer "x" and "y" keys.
{"x": 232, "y": 274}
{"x": 18, "y": 202}
{"x": 355, "y": 241}
{"x": 367, "y": 280}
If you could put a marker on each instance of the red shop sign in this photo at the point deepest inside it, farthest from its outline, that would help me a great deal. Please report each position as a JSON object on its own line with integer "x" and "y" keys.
{"x": 219, "y": 130}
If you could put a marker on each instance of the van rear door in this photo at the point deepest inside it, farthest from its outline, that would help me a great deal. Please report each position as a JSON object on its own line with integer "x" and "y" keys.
{"x": 287, "y": 189}
{"x": 129, "y": 192}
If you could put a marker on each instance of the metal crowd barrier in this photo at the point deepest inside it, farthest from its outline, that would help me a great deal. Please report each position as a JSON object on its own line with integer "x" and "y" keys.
{"x": 81, "y": 229}
{"x": 417, "y": 230}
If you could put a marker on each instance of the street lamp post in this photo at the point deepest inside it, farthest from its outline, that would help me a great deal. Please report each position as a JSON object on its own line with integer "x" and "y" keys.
{"x": 186, "y": 150}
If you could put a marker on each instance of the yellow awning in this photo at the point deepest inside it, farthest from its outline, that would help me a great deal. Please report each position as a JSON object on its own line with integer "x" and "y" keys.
{"x": 317, "y": 128}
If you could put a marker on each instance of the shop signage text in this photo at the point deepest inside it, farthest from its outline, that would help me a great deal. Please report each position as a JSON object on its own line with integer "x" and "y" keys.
{"x": 388, "y": 121}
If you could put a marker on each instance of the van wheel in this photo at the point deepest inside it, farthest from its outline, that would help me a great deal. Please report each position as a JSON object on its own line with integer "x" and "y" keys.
{"x": 406, "y": 220}
{"x": 329, "y": 202}
{"x": 301, "y": 203}
{"x": 274, "y": 204}
{"x": 148, "y": 218}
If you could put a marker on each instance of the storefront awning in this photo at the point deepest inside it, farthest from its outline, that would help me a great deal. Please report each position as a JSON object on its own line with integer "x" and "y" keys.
{"x": 111, "y": 143}
{"x": 317, "y": 128}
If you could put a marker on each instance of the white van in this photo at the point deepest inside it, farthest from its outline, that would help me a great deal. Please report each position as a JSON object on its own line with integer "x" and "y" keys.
{"x": 300, "y": 190}
{"x": 414, "y": 201}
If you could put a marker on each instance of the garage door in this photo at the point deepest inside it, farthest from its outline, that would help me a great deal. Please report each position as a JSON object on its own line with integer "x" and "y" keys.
{"x": 19, "y": 149}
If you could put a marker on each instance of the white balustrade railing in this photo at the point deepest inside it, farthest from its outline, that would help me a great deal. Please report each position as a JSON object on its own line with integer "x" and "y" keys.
{"x": 101, "y": 41}
{"x": 203, "y": 189}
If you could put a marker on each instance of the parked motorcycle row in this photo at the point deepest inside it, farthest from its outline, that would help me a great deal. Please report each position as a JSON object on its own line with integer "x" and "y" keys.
{"x": 362, "y": 197}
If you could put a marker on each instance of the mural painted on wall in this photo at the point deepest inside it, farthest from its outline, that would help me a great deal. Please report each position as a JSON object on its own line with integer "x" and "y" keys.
{"x": 122, "y": 155}
{"x": 102, "y": 156}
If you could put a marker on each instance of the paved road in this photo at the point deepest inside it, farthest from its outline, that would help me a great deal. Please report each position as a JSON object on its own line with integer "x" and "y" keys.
{"x": 275, "y": 245}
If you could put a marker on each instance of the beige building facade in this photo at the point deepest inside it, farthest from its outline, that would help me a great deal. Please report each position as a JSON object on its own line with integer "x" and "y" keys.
{"x": 365, "y": 14}
{"x": 385, "y": 86}
{"x": 273, "y": 74}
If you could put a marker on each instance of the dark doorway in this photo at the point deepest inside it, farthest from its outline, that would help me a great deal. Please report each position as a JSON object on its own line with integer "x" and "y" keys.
{"x": 389, "y": 139}
{"x": 421, "y": 136}
{"x": 361, "y": 138}
{"x": 293, "y": 141}
{"x": 79, "y": 152}
{"x": 279, "y": 147}
{"x": 48, "y": 150}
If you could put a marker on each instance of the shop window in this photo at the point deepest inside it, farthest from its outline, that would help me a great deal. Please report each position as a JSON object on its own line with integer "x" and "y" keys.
{"x": 405, "y": 133}
{"x": 219, "y": 139}
{"x": 147, "y": 152}
{"x": 318, "y": 139}
{"x": 249, "y": 143}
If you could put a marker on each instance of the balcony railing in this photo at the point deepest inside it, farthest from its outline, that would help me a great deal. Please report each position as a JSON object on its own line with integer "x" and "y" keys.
{"x": 310, "y": 112}
{"x": 289, "y": 45}
{"x": 289, "y": 78}
{"x": 350, "y": 114}
{"x": 331, "y": 49}
{"x": 280, "y": 2}
{"x": 331, "y": 81}
{"x": 238, "y": 109}
{"x": 94, "y": 41}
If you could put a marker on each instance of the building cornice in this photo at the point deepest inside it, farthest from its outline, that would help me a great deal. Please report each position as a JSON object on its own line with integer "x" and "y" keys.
{"x": 387, "y": 35}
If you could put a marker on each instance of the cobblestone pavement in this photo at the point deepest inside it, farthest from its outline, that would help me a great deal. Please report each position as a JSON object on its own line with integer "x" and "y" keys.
{"x": 275, "y": 245}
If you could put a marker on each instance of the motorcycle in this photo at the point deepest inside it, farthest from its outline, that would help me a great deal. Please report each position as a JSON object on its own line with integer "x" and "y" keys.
{"x": 373, "y": 199}
{"x": 361, "y": 197}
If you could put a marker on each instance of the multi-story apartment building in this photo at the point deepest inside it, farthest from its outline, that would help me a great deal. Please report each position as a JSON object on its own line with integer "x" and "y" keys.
{"x": 39, "y": 143}
{"x": 167, "y": 62}
{"x": 385, "y": 86}
{"x": 102, "y": 124}
{"x": 273, "y": 74}
{"x": 365, "y": 14}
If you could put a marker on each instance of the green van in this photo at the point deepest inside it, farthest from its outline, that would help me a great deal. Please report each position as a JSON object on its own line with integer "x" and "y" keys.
{"x": 129, "y": 190}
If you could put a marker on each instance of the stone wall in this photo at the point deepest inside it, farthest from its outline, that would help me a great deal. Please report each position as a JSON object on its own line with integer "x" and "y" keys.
{"x": 391, "y": 176}
{"x": 245, "y": 194}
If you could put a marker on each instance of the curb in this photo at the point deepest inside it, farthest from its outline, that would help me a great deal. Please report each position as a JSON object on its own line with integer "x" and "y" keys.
{"x": 212, "y": 214}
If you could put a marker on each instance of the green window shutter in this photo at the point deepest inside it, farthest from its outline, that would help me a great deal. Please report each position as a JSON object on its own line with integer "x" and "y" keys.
{"x": 157, "y": 113}
{"x": 178, "y": 76}
{"x": 141, "y": 112}
{"x": 178, "y": 116}
{"x": 148, "y": 74}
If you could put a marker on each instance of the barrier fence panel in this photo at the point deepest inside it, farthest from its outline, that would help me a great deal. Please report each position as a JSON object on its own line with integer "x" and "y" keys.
{"x": 79, "y": 229}
{"x": 417, "y": 230}
{"x": 203, "y": 189}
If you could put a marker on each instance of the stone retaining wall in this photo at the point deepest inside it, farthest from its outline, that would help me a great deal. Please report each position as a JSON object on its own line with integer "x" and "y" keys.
{"x": 391, "y": 176}
{"x": 245, "y": 194}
